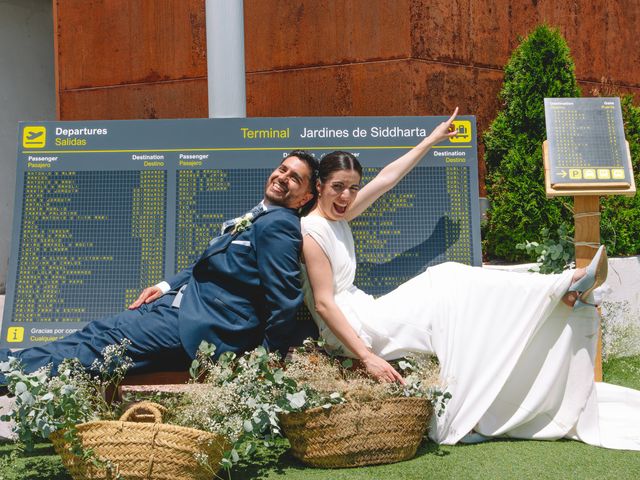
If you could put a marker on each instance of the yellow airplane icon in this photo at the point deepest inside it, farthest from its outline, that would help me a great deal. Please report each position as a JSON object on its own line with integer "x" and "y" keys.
{"x": 34, "y": 137}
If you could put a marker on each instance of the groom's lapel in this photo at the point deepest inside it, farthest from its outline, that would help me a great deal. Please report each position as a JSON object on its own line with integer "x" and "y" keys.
{"x": 217, "y": 245}
{"x": 222, "y": 242}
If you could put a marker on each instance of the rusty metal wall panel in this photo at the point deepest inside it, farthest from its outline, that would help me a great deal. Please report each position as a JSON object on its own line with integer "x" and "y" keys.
{"x": 336, "y": 90}
{"x": 180, "y": 99}
{"x": 287, "y": 35}
{"x": 398, "y": 87}
{"x": 601, "y": 35}
{"x": 283, "y": 34}
{"x": 114, "y": 42}
{"x": 130, "y": 59}
{"x": 441, "y": 31}
{"x": 592, "y": 89}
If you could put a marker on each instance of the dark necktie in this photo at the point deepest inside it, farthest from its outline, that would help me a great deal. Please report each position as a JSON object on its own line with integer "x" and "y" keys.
{"x": 250, "y": 215}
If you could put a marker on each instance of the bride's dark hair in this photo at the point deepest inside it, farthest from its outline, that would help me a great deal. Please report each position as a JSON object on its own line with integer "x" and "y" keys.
{"x": 335, "y": 161}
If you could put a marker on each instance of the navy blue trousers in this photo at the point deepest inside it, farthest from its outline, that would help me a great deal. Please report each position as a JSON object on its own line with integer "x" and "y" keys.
{"x": 152, "y": 330}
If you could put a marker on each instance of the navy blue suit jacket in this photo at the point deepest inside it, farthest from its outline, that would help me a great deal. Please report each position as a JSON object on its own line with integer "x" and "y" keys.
{"x": 245, "y": 289}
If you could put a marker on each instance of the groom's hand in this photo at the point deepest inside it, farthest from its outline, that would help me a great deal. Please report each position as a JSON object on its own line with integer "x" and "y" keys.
{"x": 148, "y": 295}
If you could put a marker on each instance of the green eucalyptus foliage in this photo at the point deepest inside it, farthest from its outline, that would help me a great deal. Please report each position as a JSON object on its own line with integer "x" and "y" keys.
{"x": 554, "y": 253}
{"x": 46, "y": 403}
{"x": 540, "y": 67}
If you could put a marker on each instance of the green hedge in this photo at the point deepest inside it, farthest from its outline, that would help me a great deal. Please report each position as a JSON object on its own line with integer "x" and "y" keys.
{"x": 541, "y": 66}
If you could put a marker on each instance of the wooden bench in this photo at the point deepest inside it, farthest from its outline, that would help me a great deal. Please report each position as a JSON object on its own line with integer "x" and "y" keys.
{"x": 152, "y": 382}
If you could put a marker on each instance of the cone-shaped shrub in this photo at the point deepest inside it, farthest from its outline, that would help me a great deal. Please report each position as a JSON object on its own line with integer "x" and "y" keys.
{"x": 540, "y": 67}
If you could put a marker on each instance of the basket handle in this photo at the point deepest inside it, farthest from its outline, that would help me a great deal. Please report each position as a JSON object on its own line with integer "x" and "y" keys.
{"x": 143, "y": 411}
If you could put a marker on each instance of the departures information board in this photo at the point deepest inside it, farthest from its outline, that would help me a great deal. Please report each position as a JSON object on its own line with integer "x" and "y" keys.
{"x": 586, "y": 144}
{"x": 105, "y": 209}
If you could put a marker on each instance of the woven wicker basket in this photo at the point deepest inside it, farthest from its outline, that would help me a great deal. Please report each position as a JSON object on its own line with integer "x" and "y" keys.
{"x": 141, "y": 447}
{"x": 356, "y": 434}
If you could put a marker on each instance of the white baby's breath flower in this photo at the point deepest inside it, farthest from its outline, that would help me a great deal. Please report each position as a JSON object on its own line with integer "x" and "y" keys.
{"x": 248, "y": 426}
{"x": 297, "y": 400}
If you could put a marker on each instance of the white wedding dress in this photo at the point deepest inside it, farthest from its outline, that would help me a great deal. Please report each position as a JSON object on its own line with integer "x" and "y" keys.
{"x": 516, "y": 360}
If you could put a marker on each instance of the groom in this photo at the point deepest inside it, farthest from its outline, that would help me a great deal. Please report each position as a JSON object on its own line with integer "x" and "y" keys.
{"x": 242, "y": 292}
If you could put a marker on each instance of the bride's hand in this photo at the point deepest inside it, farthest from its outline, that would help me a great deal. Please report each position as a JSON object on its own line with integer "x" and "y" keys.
{"x": 381, "y": 370}
{"x": 444, "y": 130}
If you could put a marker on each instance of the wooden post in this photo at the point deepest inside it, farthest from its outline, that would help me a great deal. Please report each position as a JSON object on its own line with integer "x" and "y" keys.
{"x": 587, "y": 238}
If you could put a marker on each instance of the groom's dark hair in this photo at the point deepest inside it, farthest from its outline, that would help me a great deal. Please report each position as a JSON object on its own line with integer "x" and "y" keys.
{"x": 336, "y": 161}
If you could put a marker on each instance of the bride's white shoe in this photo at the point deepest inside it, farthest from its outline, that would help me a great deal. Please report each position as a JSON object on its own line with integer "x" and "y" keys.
{"x": 474, "y": 437}
{"x": 595, "y": 275}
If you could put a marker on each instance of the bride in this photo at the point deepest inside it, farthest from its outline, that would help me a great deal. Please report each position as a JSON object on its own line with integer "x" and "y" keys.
{"x": 515, "y": 349}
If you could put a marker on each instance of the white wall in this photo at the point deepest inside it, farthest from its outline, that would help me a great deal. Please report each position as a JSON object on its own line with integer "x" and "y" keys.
{"x": 27, "y": 92}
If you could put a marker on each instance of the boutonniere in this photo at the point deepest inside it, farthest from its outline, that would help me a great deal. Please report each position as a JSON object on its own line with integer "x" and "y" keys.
{"x": 243, "y": 224}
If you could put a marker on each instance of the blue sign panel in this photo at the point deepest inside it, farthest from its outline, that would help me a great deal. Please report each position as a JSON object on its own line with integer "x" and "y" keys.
{"x": 107, "y": 208}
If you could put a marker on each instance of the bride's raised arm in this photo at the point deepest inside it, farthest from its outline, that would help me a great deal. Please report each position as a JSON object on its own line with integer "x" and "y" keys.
{"x": 390, "y": 175}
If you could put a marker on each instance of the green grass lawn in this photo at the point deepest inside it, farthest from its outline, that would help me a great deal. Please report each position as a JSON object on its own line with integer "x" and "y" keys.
{"x": 492, "y": 460}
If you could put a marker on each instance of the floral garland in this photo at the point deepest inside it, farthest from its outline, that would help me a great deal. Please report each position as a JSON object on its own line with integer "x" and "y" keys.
{"x": 237, "y": 397}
